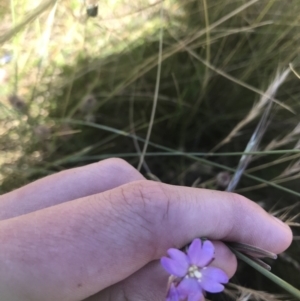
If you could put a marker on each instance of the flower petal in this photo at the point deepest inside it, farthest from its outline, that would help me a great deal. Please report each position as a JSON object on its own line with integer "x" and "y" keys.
{"x": 211, "y": 286}
{"x": 196, "y": 297}
{"x": 189, "y": 287}
{"x": 173, "y": 267}
{"x": 194, "y": 250}
{"x": 179, "y": 256}
{"x": 214, "y": 274}
{"x": 212, "y": 278}
{"x": 201, "y": 254}
{"x": 173, "y": 294}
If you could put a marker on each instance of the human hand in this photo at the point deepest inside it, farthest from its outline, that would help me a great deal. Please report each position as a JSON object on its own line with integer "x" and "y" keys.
{"x": 97, "y": 232}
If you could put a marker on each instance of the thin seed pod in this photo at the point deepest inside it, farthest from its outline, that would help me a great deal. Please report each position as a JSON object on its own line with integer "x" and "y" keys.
{"x": 252, "y": 250}
{"x": 260, "y": 262}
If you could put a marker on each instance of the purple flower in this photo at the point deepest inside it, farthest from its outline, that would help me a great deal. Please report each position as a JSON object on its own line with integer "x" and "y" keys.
{"x": 173, "y": 294}
{"x": 191, "y": 273}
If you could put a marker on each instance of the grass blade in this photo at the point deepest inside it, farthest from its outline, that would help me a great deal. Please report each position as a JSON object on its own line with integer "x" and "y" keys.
{"x": 280, "y": 282}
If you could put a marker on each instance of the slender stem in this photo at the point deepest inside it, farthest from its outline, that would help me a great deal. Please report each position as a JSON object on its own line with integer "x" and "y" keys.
{"x": 206, "y": 76}
{"x": 286, "y": 286}
{"x": 156, "y": 90}
{"x": 204, "y": 161}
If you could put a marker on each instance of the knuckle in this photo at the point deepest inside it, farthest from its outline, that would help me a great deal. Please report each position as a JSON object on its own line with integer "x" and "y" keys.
{"x": 241, "y": 204}
{"x": 145, "y": 205}
{"x": 151, "y": 197}
{"x": 122, "y": 167}
{"x": 239, "y": 214}
{"x": 237, "y": 201}
{"x": 115, "y": 161}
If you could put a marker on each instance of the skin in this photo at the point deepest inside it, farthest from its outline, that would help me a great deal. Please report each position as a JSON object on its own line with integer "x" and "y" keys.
{"x": 97, "y": 233}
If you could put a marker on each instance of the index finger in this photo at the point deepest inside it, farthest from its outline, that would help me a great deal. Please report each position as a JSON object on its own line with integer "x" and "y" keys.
{"x": 179, "y": 214}
{"x": 96, "y": 241}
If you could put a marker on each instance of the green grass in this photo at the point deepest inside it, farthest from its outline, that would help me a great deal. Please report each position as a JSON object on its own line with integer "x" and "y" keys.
{"x": 85, "y": 90}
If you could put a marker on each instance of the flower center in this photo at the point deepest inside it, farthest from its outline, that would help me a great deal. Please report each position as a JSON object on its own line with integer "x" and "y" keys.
{"x": 194, "y": 272}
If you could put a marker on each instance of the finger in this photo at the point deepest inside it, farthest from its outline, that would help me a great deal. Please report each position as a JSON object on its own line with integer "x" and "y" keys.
{"x": 93, "y": 242}
{"x": 224, "y": 259}
{"x": 66, "y": 186}
{"x": 150, "y": 283}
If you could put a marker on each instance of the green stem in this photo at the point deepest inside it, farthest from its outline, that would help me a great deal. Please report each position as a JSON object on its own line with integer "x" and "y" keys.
{"x": 286, "y": 286}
